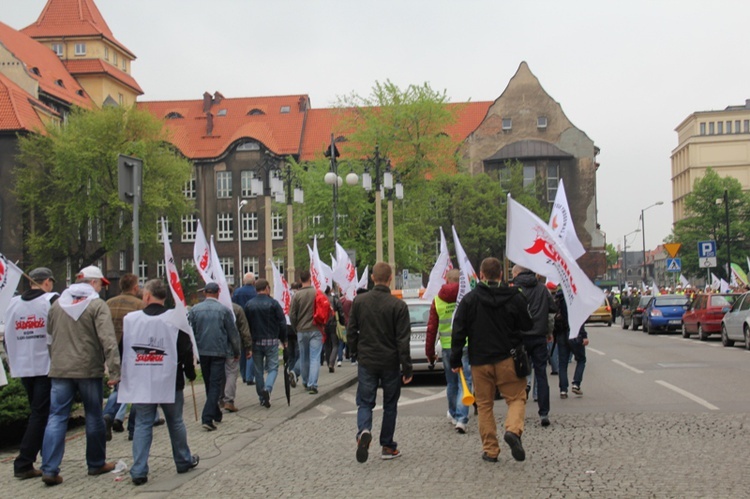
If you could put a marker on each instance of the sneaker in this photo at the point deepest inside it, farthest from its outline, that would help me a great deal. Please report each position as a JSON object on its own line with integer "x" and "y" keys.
{"x": 389, "y": 453}
{"x": 312, "y": 390}
{"x": 108, "y": 428}
{"x": 363, "y": 444}
{"x": 338, "y": 364}
{"x": 140, "y": 480}
{"x": 31, "y": 473}
{"x": 453, "y": 421}
{"x": 488, "y": 458}
{"x": 292, "y": 379}
{"x": 563, "y": 395}
{"x": 266, "y": 402}
{"x": 516, "y": 449}
{"x": 117, "y": 426}
{"x": 51, "y": 480}
{"x": 544, "y": 420}
{"x": 194, "y": 462}
{"x": 461, "y": 428}
{"x": 104, "y": 469}
{"x": 576, "y": 389}
{"x": 209, "y": 426}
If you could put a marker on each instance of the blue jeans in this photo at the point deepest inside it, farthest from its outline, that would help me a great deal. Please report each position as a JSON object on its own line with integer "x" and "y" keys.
{"x": 112, "y": 408}
{"x": 553, "y": 356}
{"x": 266, "y": 359}
{"x": 565, "y": 348}
{"x": 144, "y": 423}
{"x": 310, "y": 347}
{"x": 342, "y": 345}
{"x": 61, "y": 399}
{"x": 454, "y": 390}
{"x": 214, "y": 378}
{"x": 367, "y": 390}
{"x": 536, "y": 346}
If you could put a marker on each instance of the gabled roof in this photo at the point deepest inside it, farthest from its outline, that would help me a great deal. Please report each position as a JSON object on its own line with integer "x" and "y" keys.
{"x": 72, "y": 18}
{"x": 54, "y": 79}
{"x": 79, "y": 67}
{"x": 18, "y": 110}
{"x": 257, "y": 118}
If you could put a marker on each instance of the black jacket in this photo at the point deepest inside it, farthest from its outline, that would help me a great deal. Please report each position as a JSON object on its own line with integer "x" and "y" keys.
{"x": 540, "y": 302}
{"x": 562, "y": 326}
{"x": 185, "y": 361}
{"x": 265, "y": 318}
{"x": 379, "y": 331}
{"x": 492, "y": 316}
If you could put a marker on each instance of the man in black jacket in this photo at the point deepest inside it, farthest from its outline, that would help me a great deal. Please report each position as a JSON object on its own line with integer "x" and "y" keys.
{"x": 492, "y": 317}
{"x": 378, "y": 334}
{"x": 541, "y": 305}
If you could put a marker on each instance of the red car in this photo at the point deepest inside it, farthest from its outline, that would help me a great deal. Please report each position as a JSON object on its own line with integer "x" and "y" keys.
{"x": 705, "y": 314}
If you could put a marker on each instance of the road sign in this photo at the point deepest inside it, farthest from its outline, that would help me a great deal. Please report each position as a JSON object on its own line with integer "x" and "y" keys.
{"x": 674, "y": 265}
{"x": 707, "y": 263}
{"x": 707, "y": 249}
{"x": 672, "y": 248}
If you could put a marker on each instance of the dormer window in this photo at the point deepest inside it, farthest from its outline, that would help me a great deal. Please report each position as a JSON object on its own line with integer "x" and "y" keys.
{"x": 36, "y": 71}
{"x": 507, "y": 124}
{"x": 285, "y": 109}
{"x": 80, "y": 92}
{"x": 249, "y": 146}
{"x": 255, "y": 112}
{"x": 80, "y": 49}
{"x": 541, "y": 122}
{"x": 222, "y": 112}
{"x": 174, "y": 116}
{"x": 59, "y": 83}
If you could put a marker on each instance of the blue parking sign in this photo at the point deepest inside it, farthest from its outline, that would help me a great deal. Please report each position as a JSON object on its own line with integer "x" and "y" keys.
{"x": 706, "y": 249}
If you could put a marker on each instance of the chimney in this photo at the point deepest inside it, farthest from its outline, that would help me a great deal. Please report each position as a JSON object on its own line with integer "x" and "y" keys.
{"x": 747, "y": 103}
{"x": 302, "y": 104}
{"x": 218, "y": 97}
{"x": 209, "y": 123}
{"x": 206, "y": 102}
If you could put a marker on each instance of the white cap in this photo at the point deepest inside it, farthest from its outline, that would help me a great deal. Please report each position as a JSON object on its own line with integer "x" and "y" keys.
{"x": 92, "y": 272}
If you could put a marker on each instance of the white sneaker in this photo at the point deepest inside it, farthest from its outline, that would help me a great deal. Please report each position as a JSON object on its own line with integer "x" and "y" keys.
{"x": 453, "y": 421}
{"x": 338, "y": 364}
{"x": 460, "y": 428}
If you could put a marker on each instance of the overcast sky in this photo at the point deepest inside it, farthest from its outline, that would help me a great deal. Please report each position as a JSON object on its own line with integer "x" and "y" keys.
{"x": 626, "y": 73}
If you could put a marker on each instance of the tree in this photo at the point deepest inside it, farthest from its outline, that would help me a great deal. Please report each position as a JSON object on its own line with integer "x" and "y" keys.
{"x": 706, "y": 219}
{"x": 612, "y": 255}
{"x": 67, "y": 185}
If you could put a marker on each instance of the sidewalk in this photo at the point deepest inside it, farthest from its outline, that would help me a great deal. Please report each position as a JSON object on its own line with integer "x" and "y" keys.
{"x": 236, "y": 432}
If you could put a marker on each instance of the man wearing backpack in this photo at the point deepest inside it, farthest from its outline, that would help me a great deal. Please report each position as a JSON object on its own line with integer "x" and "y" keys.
{"x": 309, "y": 337}
{"x": 332, "y": 340}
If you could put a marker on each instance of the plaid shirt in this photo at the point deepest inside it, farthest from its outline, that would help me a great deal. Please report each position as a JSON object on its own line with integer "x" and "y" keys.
{"x": 119, "y": 307}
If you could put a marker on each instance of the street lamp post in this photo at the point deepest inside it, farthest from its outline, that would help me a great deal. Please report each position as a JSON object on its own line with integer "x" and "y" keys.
{"x": 267, "y": 186}
{"x": 625, "y": 253}
{"x": 332, "y": 178}
{"x": 294, "y": 194}
{"x": 643, "y": 233}
{"x": 241, "y": 203}
{"x": 396, "y": 190}
{"x": 725, "y": 200}
{"x": 367, "y": 184}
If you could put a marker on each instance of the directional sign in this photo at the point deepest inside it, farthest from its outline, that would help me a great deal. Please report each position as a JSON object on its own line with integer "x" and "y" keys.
{"x": 674, "y": 265}
{"x": 707, "y": 263}
{"x": 707, "y": 249}
{"x": 672, "y": 248}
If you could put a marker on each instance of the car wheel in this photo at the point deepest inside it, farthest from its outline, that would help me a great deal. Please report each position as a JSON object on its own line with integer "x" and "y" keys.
{"x": 635, "y": 326}
{"x": 685, "y": 333}
{"x": 747, "y": 338}
{"x": 725, "y": 337}
{"x": 625, "y": 325}
{"x": 609, "y": 324}
{"x": 645, "y": 327}
{"x": 701, "y": 334}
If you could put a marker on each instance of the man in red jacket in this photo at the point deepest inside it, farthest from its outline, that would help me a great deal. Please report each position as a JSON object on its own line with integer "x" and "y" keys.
{"x": 439, "y": 322}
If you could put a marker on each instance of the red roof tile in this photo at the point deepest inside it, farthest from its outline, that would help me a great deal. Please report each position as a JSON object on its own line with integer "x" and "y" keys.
{"x": 97, "y": 66}
{"x": 18, "y": 110}
{"x": 280, "y": 132}
{"x": 52, "y": 76}
{"x": 71, "y": 18}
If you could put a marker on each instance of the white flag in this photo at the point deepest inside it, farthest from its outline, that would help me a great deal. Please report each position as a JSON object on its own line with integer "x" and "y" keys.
{"x": 437, "y": 275}
{"x": 468, "y": 278}
{"x": 531, "y": 243}
{"x": 362, "y": 284}
{"x": 643, "y": 287}
{"x": 561, "y": 222}
{"x": 723, "y": 286}
{"x": 748, "y": 264}
{"x": 3, "y": 376}
{"x": 10, "y": 275}
{"x": 715, "y": 281}
{"x": 202, "y": 255}
{"x": 317, "y": 273}
{"x": 684, "y": 282}
{"x": 179, "y": 314}
{"x": 281, "y": 291}
{"x": 344, "y": 273}
{"x": 225, "y": 297}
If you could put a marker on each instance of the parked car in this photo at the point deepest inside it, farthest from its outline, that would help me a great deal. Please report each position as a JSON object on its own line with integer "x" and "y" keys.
{"x": 735, "y": 326}
{"x": 602, "y": 314}
{"x": 419, "y": 313}
{"x": 664, "y": 312}
{"x": 634, "y": 313}
{"x": 705, "y": 314}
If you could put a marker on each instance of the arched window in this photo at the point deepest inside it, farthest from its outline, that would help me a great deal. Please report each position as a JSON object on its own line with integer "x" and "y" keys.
{"x": 255, "y": 112}
{"x": 174, "y": 115}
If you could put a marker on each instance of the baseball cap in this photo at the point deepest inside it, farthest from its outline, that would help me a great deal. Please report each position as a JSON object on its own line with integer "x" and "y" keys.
{"x": 211, "y": 287}
{"x": 41, "y": 274}
{"x": 92, "y": 272}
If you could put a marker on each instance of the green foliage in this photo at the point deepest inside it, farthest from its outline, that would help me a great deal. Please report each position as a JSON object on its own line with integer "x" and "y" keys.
{"x": 67, "y": 184}
{"x": 706, "y": 219}
{"x": 612, "y": 255}
{"x": 14, "y": 404}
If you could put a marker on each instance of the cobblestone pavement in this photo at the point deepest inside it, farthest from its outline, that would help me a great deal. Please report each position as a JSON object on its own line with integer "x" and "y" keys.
{"x": 272, "y": 453}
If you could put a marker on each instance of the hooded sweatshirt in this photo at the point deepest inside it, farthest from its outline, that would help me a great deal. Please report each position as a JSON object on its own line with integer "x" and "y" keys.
{"x": 448, "y": 293}
{"x": 540, "y": 302}
{"x": 492, "y": 317}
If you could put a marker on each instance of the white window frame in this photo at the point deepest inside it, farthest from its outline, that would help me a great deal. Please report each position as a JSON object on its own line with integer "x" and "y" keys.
{"x": 552, "y": 182}
{"x": 80, "y": 48}
{"x": 250, "y": 264}
{"x": 143, "y": 272}
{"x": 106, "y": 53}
{"x": 188, "y": 190}
{"x": 246, "y": 177}
{"x": 279, "y": 262}
{"x": 123, "y": 260}
{"x": 189, "y": 224}
{"x": 161, "y": 269}
{"x": 223, "y": 185}
{"x": 57, "y": 48}
{"x": 227, "y": 265}
{"x": 249, "y": 226}
{"x": 277, "y": 226}
{"x": 507, "y": 124}
{"x": 315, "y": 221}
{"x": 528, "y": 181}
{"x": 224, "y": 227}
{"x": 159, "y": 239}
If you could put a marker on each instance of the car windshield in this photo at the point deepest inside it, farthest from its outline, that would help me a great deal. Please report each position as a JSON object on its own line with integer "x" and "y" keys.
{"x": 670, "y": 301}
{"x": 644, "y": 301}
{"x": 722, "y": 301}
{"x": 419, "y": 313}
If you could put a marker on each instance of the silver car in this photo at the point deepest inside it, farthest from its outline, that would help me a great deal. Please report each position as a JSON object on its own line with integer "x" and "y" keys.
{"x": 419, "y": 313}
{"x": 735, "y": 326}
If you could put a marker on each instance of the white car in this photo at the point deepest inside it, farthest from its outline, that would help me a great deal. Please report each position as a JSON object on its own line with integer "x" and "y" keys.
{"x": 419, "y": 313}
{"x": 735, "y": 326}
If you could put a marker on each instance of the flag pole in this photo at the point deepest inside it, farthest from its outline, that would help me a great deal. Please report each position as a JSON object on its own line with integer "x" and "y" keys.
{"x": 195, "y": 404}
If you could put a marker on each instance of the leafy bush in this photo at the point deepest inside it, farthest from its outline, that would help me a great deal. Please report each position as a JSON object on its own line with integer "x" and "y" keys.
{"x": 14, "y": 404}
